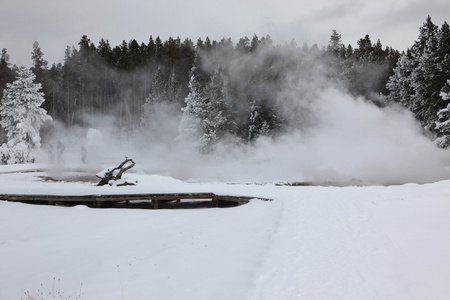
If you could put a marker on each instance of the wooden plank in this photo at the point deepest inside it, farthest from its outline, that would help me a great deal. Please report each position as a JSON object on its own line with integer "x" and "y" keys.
{"x": 155, "y": 204}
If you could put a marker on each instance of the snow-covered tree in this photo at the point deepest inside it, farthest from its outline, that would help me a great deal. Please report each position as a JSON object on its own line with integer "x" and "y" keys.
{"x": 22, "y": 117}
{"x": 190, "y": 129}
{"x": 427, "y": 80}
{"x": 174, "y": 91}
{"x": 157, "y": 95}
{"x": 206, "y": 117}
{"x": 422, "y": 72}
{"x": 443, "y": 123}
{"x": 216, "y": 121}
{"x": 400, "y": 83}
{"x": 262, "y": 111}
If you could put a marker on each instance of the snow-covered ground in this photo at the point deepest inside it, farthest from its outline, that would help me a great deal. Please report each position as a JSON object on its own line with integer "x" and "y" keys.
{"x": 310, "y": 242}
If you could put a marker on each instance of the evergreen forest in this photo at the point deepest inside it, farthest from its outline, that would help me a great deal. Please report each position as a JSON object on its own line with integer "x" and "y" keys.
{"x": 217, "y": 90}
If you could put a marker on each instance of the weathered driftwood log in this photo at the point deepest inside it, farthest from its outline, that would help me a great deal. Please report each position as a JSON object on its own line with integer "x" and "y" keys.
{"x": 109, "y": 176}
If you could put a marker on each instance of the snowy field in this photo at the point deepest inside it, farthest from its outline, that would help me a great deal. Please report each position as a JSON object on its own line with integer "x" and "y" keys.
{"x": 310, "y": 242}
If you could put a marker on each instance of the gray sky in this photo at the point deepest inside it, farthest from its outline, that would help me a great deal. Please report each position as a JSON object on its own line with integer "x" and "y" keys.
{"x": 56, "y": 24}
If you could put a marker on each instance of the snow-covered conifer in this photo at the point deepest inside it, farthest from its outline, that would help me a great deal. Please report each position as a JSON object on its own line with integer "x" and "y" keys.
{"x": 399, "y": 83}
{"x": 157, "y": 95}
{"x": 443, "y": 123}
{"x": 174, "y": 92}
{"x": 206, "y": 115}
{"x": 217, "y": 119}
{"x": 190, "y": 129}
{"x": 421, "y": 73}
{"x": 22, "y": 117}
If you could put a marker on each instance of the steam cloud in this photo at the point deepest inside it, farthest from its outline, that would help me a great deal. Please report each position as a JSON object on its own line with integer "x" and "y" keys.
{"x": 352, "y": 142}
{"x": 335, "y": 138}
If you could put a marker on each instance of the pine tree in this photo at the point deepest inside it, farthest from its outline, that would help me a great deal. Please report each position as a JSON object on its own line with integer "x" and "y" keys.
{"x": 207, "y": 116}
{"x": 135, "y": 55}
{"x": 151, "y": 51}
{"x": 254, "y": 43}
{"x": 422, "y": 72}
{"x": 174, "y": 92}
{"x": 335, "y": 44}
{"x": 207, "y": 46}
{"x": 123, "y": 62}
{"x": 6, "y": 74}
{"x": 215, "y": 119}
{"x": 335, "y": 52}
{"x": 38, "y": 57}
{"x": 159, "y": 47}
{"x": 39, "y": 69}
{"x": 190, "y": 130}
{"x": 425, "y": 77}
{"x": 158, "y": 94}
{"x": 443, "y": 122}
{"x": 105, "y": 52}
{"x": 364, "y": 50}
{"x": 243, "y": 46}
{"x": 400, "y": 83}
{"x": 22, "y": 118}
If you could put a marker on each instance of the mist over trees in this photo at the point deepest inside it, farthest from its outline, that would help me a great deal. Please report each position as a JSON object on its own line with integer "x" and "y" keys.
{"x": 218, "y": 90}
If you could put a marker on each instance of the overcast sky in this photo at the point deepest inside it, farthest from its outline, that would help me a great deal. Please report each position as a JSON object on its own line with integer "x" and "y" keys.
{"x": 56, "y": 24}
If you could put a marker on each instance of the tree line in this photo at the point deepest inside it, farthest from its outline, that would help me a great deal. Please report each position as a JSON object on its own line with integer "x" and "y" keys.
{"x": 218, "y": 89}
{"x": 421, "y": 79}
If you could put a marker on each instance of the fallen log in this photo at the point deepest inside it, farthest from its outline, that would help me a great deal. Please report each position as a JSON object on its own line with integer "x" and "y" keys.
{"x": 114, "y": 176}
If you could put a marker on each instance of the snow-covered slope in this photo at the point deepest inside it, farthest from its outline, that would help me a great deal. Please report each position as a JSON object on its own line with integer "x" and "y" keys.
{"x": 310, "y": 242}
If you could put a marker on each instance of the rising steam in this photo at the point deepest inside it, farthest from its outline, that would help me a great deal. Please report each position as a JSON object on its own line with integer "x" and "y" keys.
{"x": 353, "y": 142}
{"x": 334, "y": 138}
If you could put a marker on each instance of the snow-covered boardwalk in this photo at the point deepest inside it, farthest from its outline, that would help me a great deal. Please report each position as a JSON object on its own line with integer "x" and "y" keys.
{"x": 97, "y": 200}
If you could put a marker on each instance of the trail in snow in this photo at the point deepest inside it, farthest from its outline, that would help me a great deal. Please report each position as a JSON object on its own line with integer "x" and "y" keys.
{"x": 329, "y": 244}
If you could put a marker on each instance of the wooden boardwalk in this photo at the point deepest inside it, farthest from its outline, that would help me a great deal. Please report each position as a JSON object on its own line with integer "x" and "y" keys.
{"x": 102, "y": 200}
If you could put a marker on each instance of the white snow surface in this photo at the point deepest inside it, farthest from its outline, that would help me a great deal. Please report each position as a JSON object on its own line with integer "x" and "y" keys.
{"x": 310, "y": 242}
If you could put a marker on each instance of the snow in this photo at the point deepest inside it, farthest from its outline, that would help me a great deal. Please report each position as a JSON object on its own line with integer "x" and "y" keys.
{"x": 310, "y": 242}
